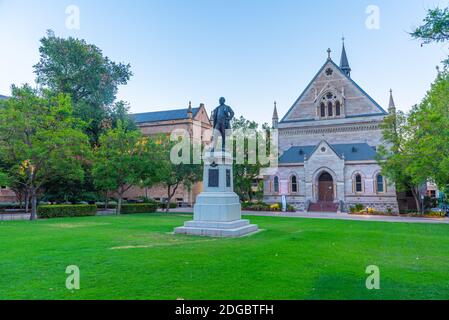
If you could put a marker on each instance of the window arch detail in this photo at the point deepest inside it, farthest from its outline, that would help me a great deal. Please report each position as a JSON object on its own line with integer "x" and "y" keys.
{"x": 276, "y": 184}
{"x": 358, "y": 183}
{"x": 380, "y": 185}
{"x": 330, "y": 104}
{"x": 294, "y": 184}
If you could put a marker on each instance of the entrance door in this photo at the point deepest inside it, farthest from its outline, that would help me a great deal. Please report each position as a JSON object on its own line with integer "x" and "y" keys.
{"x": 326, "y": 188}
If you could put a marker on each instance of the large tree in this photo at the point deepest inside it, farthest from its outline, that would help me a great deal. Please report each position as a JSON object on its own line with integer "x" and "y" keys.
{"x": 79, "y": 69}
{"x": 125, "y": 159}
{"x": 430, "y": 134}
{"x": 435, "y": 28}
{"x": 397, "y": 155}
{"x": 176, "y": 174}
{"x": 247, "y": 169}
{"x": 38, "y": 136}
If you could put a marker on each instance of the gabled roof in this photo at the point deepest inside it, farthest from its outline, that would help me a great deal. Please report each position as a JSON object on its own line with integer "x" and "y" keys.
{"x": 350, "y": 151}
{"x": 381, "y": 110}
{"x": 3, "y": 97}
{"x": 178, "y": 114}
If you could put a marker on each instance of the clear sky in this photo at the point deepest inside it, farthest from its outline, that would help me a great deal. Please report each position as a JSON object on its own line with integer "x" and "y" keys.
{"x": 251, "y": 52}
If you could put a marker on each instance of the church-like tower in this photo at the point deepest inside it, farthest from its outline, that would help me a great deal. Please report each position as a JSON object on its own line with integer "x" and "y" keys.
{"x": 344, "y": 63}
{"x": 328, "y": 142}
{"x": 275, "y": 120}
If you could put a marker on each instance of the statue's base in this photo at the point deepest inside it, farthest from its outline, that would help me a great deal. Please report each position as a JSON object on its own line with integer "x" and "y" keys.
{"x": 217, "y": 211}
{"x": 233, "y": 229}
{"x": 217, "y": 214}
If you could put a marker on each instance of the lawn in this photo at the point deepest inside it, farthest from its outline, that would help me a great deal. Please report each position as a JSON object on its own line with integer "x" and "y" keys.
{"x": 136, "y": 257}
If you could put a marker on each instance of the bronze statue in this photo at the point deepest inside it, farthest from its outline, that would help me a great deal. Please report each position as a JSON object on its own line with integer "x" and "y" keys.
{"x": 221, "y": 116}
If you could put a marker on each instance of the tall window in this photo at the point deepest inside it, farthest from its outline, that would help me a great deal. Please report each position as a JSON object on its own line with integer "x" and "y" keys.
{"x": 358, "y": 183}
{"x": 338, "y": 109}
{"x": 323, "y": 110}
{"x": 330, "y": 111}
{"x": 276, "y": 185}
{"x": 380, "y": 183}
{"x": 294, "y": 184}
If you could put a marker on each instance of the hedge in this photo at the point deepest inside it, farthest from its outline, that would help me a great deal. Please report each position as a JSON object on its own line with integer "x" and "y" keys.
{"x": 59, "y": 211}
{"x": 139, "y": 208}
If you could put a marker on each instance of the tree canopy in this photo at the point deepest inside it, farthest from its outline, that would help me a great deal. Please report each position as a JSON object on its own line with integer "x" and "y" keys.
{"x": 81, "y": 71}
{"x": 38, "y": 137}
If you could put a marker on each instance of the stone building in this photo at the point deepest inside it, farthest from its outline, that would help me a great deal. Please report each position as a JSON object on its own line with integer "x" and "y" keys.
{"x": 165, "y": 122}
{"x": 327, "y": 146}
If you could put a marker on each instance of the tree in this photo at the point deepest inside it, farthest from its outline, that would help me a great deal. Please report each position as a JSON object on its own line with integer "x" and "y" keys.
{"x": 174, "y": 175}
{"x": 430, "y": 128}
{"x": 79, "y": 69}
{"x": 246, "y": 173}
{"x": 38, "y": 136}
{"x": 397, "y": 155}
{"x": 435, "y": 28}
{"x": 125, "y": 159}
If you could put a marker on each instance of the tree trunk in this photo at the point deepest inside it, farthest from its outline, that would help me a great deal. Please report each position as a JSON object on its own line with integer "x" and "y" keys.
{"x": 167, "y": 205}
{"x": 27, "y": 202}
{"x": 417, "y": 200}
{"x": 118, "y": 210}
{"x": 33, "y": 204}
{"x": 106, "y": 202}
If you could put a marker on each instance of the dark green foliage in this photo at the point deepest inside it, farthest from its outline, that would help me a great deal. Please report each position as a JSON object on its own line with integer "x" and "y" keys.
{"x": 435, "y": 28}
{"x": 80, "y": 70}
{"x": 59, "y": 211}
{"x": 139, "y": 208}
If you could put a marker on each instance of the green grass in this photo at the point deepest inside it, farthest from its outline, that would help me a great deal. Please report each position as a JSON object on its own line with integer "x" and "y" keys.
{"x": 291, "y": 259}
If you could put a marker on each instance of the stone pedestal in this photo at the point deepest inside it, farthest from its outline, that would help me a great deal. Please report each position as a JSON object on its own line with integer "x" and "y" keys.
{"x": 217, "y": 211}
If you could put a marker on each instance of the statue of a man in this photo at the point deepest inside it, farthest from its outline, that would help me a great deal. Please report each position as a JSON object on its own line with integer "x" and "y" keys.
{"x": 221, "y": 116}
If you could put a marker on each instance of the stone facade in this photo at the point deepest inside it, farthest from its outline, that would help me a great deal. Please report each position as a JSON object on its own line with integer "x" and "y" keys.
{"x": 7, "y": 195}
{"x": 327, "y": 146}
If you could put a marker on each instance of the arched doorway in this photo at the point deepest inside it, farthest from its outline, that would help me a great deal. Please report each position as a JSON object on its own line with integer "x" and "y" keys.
{"x": 325, "y": 188}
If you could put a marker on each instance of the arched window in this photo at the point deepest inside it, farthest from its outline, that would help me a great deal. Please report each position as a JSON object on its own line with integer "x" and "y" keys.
{"x": 276, "y": 185}
{"x": 330, "y": 111}
{"x": 358, "y": 183}
{"x": 380, "y": 183}
{"x": 323, "y": 110}
{"x": 294, "y": 184}
{"x": 338, "y": 109}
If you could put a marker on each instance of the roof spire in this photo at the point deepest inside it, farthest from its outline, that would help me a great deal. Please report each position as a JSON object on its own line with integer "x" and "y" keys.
{"x": 344, "y": 63}
{"x": 190, "y": 111}
{"x": 391, "y": 105}
{"x": 275, "y": 116}
{"x": 275, "y": 113}
{"x": 329, "y": 53}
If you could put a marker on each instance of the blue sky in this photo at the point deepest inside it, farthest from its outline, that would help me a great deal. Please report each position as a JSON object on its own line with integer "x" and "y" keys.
{"x": 251, "y": 52}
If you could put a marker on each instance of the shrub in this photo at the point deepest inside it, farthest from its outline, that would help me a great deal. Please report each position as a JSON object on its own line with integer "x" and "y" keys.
{"x": 59, "y": 211}
{"x": 358, "y": 208}
{"x": 435, "y": 214}
{"x": 139, "y": 208}
{"x": 275, "y": 207}
{"x": 164, "y": 205}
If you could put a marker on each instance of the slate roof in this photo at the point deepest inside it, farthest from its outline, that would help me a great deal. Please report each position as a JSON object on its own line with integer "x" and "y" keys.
{"x": 3, "y": 97}
{"x": 168, "y": 115}
{"x": 351, "y": 152}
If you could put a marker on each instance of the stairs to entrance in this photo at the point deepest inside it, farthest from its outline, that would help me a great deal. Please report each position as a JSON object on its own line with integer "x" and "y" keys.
{"x": 323, "y": 207}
